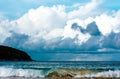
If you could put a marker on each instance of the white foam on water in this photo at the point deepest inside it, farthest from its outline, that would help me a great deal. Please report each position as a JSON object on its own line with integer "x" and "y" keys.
{"x": 115, "y": 73}
{"x": 12, "y": 72}
{"x": 34, "y": 73}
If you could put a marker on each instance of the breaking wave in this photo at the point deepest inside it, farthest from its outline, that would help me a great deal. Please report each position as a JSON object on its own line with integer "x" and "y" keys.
{"x": 12, "y": 72}
{"x": 110, "y": 73}
{"x": 41, "y": 73}
{"x": 42, "y": 70}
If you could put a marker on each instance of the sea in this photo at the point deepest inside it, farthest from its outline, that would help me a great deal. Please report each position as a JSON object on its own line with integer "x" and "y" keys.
{"x": 43, "y": 69}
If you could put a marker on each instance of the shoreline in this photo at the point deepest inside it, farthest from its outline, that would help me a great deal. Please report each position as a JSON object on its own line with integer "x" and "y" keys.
{"x": 60, "y": 78}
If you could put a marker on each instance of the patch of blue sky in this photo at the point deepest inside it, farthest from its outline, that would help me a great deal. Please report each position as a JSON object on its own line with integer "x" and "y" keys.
{"x": 13, "y": 9}
{"x": 111, "y": 4}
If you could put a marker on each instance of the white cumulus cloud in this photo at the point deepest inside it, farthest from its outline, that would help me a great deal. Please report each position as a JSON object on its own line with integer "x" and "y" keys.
{"x": 56, "y": 29}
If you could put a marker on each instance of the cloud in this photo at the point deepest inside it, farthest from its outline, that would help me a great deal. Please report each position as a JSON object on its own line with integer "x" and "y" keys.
{"x": 70, "y": 32}
{"x": 86, "y": 10}
{"x": 16, "y": 40}
{"x": 4, "y": 29}
{"x": 92, "y": 29}
{"x": 107, "y": 23}
{"x": 112, "y": 41}
{"x": 54, "y": 30}
{"x": 43, "y": 19}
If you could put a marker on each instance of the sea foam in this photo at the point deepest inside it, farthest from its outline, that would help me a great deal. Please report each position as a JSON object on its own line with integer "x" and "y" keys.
{"x": 110, "y": 73}
{"x": 33, "y": 73}
{"x": 12, "y": 72}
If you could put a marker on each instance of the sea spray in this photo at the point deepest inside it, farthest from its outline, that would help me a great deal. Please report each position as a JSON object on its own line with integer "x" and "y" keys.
{"x": 109, "y": 74}
{"x": 12, "y": 72}
{"x": 59, "y": 69}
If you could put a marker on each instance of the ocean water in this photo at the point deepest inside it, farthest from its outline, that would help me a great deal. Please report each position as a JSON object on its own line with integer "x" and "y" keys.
{"x": 40, "y": 70}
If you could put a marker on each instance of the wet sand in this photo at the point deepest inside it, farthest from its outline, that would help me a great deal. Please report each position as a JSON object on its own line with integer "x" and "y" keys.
{"x": 58, "y": 78}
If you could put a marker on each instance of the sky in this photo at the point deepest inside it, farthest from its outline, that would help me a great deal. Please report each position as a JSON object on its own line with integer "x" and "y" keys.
{"x": 62, "y": 30}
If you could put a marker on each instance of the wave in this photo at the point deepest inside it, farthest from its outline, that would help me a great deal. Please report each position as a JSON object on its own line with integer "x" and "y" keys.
{"x": 112, "y": 74}
{"x": 56, "y": 72}
{"x": 12, "y": 72}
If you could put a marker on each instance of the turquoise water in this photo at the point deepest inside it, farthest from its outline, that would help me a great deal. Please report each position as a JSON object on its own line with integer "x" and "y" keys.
{"x": 41, "y": 69}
